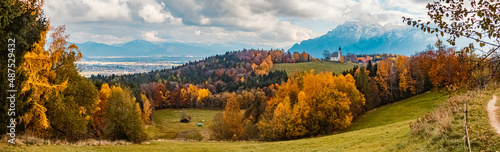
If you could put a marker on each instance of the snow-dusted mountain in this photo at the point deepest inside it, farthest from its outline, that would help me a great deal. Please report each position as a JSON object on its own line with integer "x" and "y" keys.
{"x": 359, "y": 38}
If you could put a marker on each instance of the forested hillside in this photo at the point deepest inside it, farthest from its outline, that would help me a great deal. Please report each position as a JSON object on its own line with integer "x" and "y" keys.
{"x": 232, "y": 71}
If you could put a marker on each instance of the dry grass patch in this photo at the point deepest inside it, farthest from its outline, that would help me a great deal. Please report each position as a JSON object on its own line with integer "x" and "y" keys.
{"x": 27, "y": 140}
{"x": 443, "y": 129}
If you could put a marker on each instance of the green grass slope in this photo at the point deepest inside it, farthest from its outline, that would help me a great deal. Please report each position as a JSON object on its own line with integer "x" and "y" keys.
{"x": 385, "y": 129}
{"x": 167, "y": 123}
{"x": 407, "y": 109}
{"x": 443, "y": 129}
{"x": 382, "y": 138}
{"x": 319, "y": 66}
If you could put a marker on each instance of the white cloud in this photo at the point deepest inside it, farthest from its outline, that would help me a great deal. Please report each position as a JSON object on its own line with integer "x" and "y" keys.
{"x": 151, "y": 36}
{"x": 107, "y": 10}
{"x": 88, "y": 10}
{"x": 239, "y": 16}
{"x": 154, "y": 13}
{"x": 255, "y": 22}
{"x": 197, "y": 32}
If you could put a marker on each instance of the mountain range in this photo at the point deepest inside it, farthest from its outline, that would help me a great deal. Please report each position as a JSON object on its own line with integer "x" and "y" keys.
{"x": 353, "y": 37}
{"x": 361, "y": 38}
{"x": 144, "y": 48}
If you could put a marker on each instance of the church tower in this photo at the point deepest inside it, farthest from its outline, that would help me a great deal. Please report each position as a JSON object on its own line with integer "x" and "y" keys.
{"x": 340, "y": 52}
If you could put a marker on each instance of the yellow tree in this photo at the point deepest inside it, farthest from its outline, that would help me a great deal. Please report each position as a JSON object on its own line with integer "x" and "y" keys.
{"x": 184, "y": 97}
{"x": 165, "y": 97}
{"x": 38, "y": 65}
{"x": 123, "y": 117}
{"x": 383, "y": 76}
{"x": 300, "y": 116}
{"x": 202, "y": 94}
{"x": 346, "y": 84}
{"x": 324, "y": 103}
{"x": 232, "y": 118}
{"x": 146, "y": 109}
{"x": 332, "y": 111}
{"x": 288, "y": 88}
{"x": 282, "y": 119}
{"x": 98, "y": 112}
{"x": 335, "y": 99}
{"x": 264, "y": 67}
{"x": 254, "y": 66}
{"x": 192, "y": 93}
{"x": 406, "y": 82}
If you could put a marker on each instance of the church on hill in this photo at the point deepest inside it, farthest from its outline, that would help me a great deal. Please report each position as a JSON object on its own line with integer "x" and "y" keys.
{"x": 336, "y": 55}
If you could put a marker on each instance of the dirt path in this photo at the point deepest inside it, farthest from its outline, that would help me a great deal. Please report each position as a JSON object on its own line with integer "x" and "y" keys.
{"x": 492, "y": 114}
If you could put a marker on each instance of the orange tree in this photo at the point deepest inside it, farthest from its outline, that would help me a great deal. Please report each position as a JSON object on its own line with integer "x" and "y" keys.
{"x": 475, "y": 20}
{"x": 311, "y": 104}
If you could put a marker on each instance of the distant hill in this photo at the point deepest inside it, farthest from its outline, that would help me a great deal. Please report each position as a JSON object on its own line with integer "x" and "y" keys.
{"x": 144, "y": 48}
{"x": 359, "y": 38}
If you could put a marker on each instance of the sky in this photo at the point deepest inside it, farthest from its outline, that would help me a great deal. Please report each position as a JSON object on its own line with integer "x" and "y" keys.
{"x": 259, "y": 23}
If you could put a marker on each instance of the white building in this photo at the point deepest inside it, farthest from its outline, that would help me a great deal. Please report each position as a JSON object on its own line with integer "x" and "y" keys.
{"x": 336, "y": 55}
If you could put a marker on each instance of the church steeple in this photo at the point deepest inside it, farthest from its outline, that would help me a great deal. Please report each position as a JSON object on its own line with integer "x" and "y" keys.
{"x": 340, "y": 51}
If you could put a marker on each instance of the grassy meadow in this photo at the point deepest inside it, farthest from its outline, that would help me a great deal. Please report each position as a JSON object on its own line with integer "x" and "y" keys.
{"x": 407, "y": 109}
{"x": 319, "y": 66}
{"x": 167, "y": 124}
{"x": 381, "y": 138}
{"x": 443, "y": 129}
{"x": 384, "y": 129}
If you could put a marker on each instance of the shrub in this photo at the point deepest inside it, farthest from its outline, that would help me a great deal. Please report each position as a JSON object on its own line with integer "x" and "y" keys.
{"x": 191, "y": 134}
{"x": 228, "y": 125}
{"x": 185, "y": 115}
{"x": 216, "y": 127}
{"x": 250, "y": 129}
{"x": 66, "y": 119}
